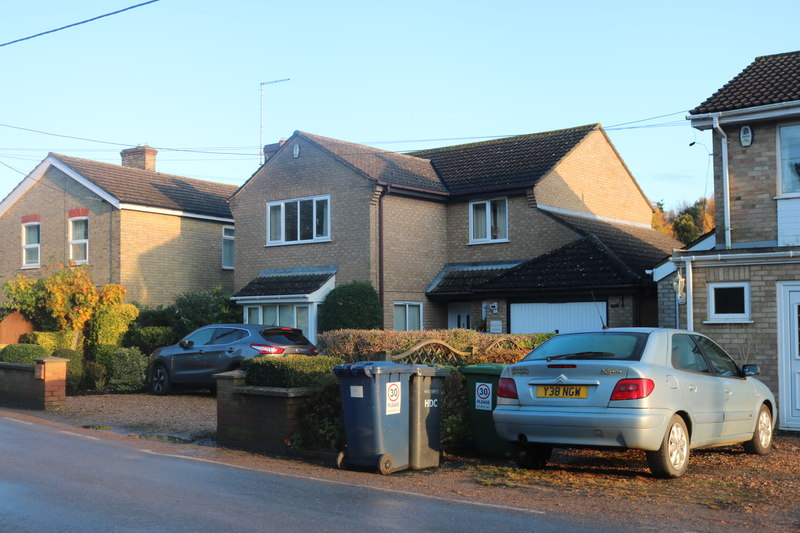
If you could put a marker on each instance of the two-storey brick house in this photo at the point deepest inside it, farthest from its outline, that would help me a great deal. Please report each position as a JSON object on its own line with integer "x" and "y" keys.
{"x": 744, "y": 290}
{"x": 530, "y": 233}
{"x": 157, "y": 234}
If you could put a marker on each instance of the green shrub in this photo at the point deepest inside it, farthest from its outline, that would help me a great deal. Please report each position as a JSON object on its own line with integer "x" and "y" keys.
{"x": 94, "y": 375}
{"x": 49, "y": 340}
{"x": 352, "y": 306}
{"x": 322, "y": 422}
{"x": 197, "y": 309}
{"x": 23, "y": 353}
{"x": 292, "y": 371}
{"x": 456, "y": 432}
{"x": 148, "y": 338}
{"x": 74, "y": 367}
{"x": 127, "y": 371}
{"x": 108, "y": 325}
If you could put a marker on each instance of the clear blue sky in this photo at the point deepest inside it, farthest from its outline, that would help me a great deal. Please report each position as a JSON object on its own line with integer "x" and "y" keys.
{"x": 186, "y": 74}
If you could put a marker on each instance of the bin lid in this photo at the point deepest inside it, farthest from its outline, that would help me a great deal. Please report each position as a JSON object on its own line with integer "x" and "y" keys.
{"x": 492, "y": 369}
{"x": 426, "y": 370}
{"x": 371, "y": 368}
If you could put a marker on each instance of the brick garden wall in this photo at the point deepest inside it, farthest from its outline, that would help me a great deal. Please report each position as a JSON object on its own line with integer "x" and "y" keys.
{"x": 25, "y": 386}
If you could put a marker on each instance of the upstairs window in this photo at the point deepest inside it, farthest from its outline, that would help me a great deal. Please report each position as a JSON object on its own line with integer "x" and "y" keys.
{"x": 729, "y": 302}
{"x": 488, "y": 221}
{"x": 79, "y": 240}
{"x": 228, "y": 242}
{"x": 790, "y": 158}
{"x": 298, "y": 221}
{"x": 31, "y": 244}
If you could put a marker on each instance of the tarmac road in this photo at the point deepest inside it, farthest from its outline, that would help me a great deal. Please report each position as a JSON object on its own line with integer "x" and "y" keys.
{"x": 55, "y": 479}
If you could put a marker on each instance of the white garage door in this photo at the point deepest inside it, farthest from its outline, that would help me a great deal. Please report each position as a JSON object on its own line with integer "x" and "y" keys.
{"x": 564, "y": 317}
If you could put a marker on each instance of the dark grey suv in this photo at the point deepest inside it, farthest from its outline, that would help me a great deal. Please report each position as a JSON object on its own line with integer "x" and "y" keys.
{"x": 219, "y": 348}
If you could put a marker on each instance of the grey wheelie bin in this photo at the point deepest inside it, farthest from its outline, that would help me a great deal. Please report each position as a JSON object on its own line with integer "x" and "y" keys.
{"x": 426, "y": 415}
{"x": 375, "y": 401}
{"x": 482, "y": 381}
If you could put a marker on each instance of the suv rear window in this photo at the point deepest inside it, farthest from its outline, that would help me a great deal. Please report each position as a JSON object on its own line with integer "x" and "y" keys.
{"x": 283, "y": 337}
{"x": 587, "y": 346}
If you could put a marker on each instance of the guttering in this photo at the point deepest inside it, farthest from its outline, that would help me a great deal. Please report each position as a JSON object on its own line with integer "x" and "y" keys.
{"x": 736, "y": 116}
{"x": 745, "y": 257}
{"x": 726, "y": 208}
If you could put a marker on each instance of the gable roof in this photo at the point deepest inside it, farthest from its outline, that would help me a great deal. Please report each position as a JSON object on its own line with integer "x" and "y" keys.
{"x": 381, "y": 165}
{"x": 767, "y": 80}
{"x": 508, "y": 163}
{"x": 153, "y": 189}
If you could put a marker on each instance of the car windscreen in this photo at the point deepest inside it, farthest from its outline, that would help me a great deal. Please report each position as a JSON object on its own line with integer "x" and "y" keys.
{"x": 587, "y": 346}
{"x": 285, "y": 337}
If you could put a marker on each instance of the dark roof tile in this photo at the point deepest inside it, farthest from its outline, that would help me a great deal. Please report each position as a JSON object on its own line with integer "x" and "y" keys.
{"x": 281, "y": 285}
{"x": 154, "y": 189}
{"x": 767, "y": 80}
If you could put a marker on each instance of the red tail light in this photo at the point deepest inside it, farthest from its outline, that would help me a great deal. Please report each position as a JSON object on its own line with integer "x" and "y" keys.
{"x": 265, "y": 349}
{"x": 507, "y": 389}
{"x": 633, "y": 389}
{"x": 314, "y": 351}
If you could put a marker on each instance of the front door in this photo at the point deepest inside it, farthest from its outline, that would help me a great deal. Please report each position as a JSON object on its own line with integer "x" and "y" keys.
{"x": 789, "y": 354}
{"x": 458, "y": 316}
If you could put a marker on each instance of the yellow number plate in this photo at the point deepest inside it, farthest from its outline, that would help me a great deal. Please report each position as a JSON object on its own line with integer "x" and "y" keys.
{"x": 562, "y": 391}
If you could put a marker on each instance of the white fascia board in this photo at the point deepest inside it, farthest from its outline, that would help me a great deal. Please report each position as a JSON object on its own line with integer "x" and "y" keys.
{"x": 562, "y": 211}
{"x": 39, "y": 171}
{"x": 172, "y": 212}
{"x": 265, "y": 299}
{"x": 739, "y": 116}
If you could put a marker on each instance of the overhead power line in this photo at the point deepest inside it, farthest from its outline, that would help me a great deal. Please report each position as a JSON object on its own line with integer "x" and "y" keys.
{"x": 78, "y": 23}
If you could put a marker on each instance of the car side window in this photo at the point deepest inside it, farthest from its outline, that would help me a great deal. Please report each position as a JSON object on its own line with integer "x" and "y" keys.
{"x": 226, "y": 335}
{"x": 686, "y": 355}
{"x": 721, "y": 362}
{"x": 201, "y": 338}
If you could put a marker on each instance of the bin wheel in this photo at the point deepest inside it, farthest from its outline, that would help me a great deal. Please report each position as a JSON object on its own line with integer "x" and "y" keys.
{"x": 340, "y": 460}
{"x": 385, "y": 464}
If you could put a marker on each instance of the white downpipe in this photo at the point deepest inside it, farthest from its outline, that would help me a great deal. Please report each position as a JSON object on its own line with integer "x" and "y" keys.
{"x": 689, "y": 296}
{"x": 726, "y": 208}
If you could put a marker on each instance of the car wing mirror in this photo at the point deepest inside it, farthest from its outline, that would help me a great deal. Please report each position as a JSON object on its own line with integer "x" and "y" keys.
{"x": 185, "y": 344}
{"x": 751, "y": 370}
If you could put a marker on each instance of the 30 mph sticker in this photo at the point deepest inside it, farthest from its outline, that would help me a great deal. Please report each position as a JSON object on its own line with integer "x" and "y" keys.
{"x": 483, "y": 396}
{"x": 393, "y": 398}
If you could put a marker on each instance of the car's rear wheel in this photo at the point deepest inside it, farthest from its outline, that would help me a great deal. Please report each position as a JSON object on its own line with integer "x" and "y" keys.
{"x": 761, "y": 443}
{"x": 159, "y": 380}
{"x": 532, "y": 455}
{"x": 672, "y": 458}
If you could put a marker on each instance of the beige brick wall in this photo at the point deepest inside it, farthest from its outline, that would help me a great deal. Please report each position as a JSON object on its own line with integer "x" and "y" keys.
{"x": 51, "y": 198}
{"x": 414, "y": 253}
{"x": 753, "y": 185}
{"x": 530, "y": 233}
{"x": 163, "y": 256}
{"x": 313, "y": 173}
{"x": 593, "y": 179}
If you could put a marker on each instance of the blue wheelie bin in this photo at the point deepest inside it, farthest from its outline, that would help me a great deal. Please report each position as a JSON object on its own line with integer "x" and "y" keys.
{"x": 375, "y": 401}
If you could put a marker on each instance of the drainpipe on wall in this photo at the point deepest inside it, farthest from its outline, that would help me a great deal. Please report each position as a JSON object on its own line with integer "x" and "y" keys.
{"x": 726, "y": 208}
{"x": 381, "y": 292}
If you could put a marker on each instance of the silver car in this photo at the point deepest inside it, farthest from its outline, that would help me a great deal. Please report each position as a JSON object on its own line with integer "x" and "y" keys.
{"x": 659, "y": 390}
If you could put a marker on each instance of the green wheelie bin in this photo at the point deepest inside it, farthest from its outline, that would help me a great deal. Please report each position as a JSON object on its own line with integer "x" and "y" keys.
{"x": 482, "y": 383}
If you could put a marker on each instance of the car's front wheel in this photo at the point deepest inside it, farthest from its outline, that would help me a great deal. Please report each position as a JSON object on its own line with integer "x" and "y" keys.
{"x": 672, "y": 458}
{"x": 761, "y": 443}
{"x": 159, "y": 380}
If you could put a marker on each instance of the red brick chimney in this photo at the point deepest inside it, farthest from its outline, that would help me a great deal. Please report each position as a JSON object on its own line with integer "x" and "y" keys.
{"x": 272, "y": 149}
{"x": 143, "y": 157}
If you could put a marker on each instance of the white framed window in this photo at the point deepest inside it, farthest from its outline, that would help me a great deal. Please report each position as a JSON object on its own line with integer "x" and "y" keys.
{"x": 488, "y": 221}
{"x": 31, "y": 244}
{"x": 284, "y": 315}
{"x": 407, "y": 316}
{"x": 789, "y": 158}
{"x": 79, "y": 240}
{"x": 729, "y": 301}
{"x": 228, "y": 246}
{"x": 299, "y": 221}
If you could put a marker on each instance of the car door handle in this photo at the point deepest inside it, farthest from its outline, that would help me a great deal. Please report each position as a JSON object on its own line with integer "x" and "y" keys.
{"x": 230, "y": 350}
{"x": 728, "y": 392}
{"x": 692, "y": 388}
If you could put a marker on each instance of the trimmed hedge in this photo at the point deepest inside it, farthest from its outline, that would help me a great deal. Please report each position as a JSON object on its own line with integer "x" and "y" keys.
{"x": 363, "y": 345}
{"x": 148, "y": 338}
{"x": 49, "y": 340}
{"x": 292, "y": 371}
{"x": 23, "y": 353}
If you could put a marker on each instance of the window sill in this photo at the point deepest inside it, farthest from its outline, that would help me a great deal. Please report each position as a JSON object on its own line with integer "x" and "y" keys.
{"x": 228, "y": 268}
{"x": 297, "y": 243}
{"x": 728, "y": 321}
{"x": 30, "y": 267}
{"x": 495, "y": 241}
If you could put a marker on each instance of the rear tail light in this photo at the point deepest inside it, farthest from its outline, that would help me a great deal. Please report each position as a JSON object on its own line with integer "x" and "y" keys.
{"x": 507, "y": 389}
{"x": 265, "y": 349}
{"x": 314, "y": 351}
{"x": 633, "y": 389}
